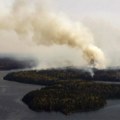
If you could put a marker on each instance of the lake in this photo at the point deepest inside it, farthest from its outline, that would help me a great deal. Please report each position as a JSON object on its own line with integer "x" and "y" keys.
{"x": 12, "y": 108}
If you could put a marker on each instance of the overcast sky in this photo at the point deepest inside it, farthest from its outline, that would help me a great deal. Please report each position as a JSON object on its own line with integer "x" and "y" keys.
{"x": 108, "y": 9}
{"x": 89, "y": 6}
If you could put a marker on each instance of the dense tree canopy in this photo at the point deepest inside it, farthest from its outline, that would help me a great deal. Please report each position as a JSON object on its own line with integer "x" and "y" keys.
{"x": 68, "y": 90}
{"x": 72, "y": 96}
{"x": 51, "y": 76}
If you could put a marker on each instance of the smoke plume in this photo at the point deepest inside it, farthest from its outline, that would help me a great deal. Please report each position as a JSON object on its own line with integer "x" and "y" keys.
{"x": 44, "y": 27}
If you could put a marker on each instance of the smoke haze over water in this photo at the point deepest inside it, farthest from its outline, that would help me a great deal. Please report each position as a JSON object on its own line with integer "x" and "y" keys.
{"x": 30, "y": 28}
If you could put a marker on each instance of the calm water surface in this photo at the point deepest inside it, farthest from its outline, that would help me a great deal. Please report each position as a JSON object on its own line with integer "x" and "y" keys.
{"x": 11, "y": 107}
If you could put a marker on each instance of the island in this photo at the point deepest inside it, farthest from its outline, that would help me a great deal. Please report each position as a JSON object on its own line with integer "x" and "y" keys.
{"x": 51, "y": 76}
{"x": 72, "y": 96}
{"x": 69, "y": 90}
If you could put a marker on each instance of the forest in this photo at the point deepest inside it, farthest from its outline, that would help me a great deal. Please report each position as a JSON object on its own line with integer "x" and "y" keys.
{"x": 72, "y": 96}
{"x": 69, "y": 90}
{"x": 51, "y": 76}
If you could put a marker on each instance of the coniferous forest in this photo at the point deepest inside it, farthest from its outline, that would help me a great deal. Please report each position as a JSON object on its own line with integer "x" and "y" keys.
{"x": 69, "y": 90}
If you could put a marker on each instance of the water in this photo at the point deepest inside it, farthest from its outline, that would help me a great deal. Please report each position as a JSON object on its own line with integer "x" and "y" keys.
{"x": 12, "y": 108}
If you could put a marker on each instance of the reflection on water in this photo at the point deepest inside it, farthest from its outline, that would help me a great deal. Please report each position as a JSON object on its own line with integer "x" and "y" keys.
{"x": 11, "y": 107}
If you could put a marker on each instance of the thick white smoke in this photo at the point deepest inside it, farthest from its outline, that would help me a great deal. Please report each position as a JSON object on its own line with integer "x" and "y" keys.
{"x": 29, "y": 20}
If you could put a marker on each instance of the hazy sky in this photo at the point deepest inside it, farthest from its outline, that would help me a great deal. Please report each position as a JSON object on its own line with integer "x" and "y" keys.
{"x": 77, "y": 8}
{"x": 88, "y": 6}
{"x": 105, "y": 9}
